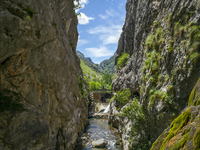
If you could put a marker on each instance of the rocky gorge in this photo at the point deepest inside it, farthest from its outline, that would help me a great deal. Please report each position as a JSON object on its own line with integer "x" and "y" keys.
{"x": 43, "y": 93}
{"x": 43, "y": 97}
{"x": 160, "y": 42}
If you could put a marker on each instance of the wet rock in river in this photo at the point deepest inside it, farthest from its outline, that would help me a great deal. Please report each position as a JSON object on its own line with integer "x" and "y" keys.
{"x": 117, "y": 143}
{"x": 99, "y": 143}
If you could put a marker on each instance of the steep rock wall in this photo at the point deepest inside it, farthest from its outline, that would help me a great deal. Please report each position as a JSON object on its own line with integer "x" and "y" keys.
{"x": 184, "y": 131}
{"x": 162, "y": 38}
{"x": 39, "y": 69}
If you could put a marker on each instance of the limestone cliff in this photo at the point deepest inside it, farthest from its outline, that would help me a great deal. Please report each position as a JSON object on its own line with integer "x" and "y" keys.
{"x": 184, "y": 131}
{"x": 162, "y": 38}
{"x": 41, "y": 83}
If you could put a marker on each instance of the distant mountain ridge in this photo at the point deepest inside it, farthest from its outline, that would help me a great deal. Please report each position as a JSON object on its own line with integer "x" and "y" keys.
{"x": 106, "y": 66}
{"x": 81, "y": 55}
{"x": 88, "y": 61}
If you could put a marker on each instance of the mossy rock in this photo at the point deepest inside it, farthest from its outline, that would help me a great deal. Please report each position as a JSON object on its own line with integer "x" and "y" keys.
{"x": 194, "y": 99}
{"x": 184, "y": 129}
{"x": 196, "y": 139}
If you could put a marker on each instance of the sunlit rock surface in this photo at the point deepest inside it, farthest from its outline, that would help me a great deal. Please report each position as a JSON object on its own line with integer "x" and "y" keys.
{"x": 162, "y": 39}
{"x": 38, "y": 61}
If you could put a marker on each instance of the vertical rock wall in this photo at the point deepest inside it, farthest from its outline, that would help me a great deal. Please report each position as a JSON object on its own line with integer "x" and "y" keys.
{"x": 162, "y": 38}
{"x": 38, "y": 63}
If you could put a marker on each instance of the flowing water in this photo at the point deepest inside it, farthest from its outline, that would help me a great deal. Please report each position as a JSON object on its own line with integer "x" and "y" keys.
{"x": 100, "y": 129}
{"x": 107, "y": 109}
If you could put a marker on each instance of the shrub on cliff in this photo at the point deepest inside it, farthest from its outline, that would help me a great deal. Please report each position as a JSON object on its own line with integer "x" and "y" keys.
{"x": 123, "y": 96}
{"x": 134, "y": 111}
{"x": 123, "y": 60}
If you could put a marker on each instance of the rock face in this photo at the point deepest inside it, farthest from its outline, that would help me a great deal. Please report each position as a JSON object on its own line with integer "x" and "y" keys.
{"x": 162, "y": 38}
{"x": 184, "y": 131}
{"x": 41, "y": 83}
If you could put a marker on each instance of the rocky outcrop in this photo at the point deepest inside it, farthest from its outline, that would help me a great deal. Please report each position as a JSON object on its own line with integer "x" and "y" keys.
{"x": 99, "y": 143}
{"x": 184, "y": 131}
{"x": 162, "y": 39}
{"x": 41, "y": 83}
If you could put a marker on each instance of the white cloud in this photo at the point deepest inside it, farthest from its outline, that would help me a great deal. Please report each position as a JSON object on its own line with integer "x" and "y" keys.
{"x": 103, "y": 16}
{"x": 82, "y": 42}
{"x": 109, "y": 34}
{"x": 102, "y": 51}
{"x": 110, "y": 13}
{"x": 82, "y": 3}
{"x": 83, "y": 19}
{"x": 105, "y": 29}
{"x": 110, "y": 39}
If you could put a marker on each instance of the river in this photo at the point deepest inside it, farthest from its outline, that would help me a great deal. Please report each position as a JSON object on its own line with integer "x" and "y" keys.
{"x": 100, "y": 129}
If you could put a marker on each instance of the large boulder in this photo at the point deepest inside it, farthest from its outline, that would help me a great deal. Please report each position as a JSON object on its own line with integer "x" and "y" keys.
{"x": 99, "y": 143}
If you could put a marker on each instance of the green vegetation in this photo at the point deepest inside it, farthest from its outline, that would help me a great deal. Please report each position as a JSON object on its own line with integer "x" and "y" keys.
{"x": 170, "y": 19}
{"x": 180, "y": 144}
{"x": 123, "y": 96}
{"x": 10, "y": 101}
{"x": 177, "y": 125}
{"x": 94, "y": 85}
{"x": 150, "y": 69}
{"x": 29, "y": 11}
{"x": 194, "y": 98}
{"x": 196, "y": 139}
{"x": 22, "y": 12}
{"x": 94, "y": 75}
{"x": 82, "y": 87}
{"x": 182, "y": 129}
{"x": 108, "y": 65}
{"x": 182, "y": 37}
{"x": 134, "y": 111}
{"x": 192, "y": 33}
{"x": 154, "y": 45}
{"x": 107, "y": 78}
{"x": 76, "y": 6}
{"x": 123, "y": 60}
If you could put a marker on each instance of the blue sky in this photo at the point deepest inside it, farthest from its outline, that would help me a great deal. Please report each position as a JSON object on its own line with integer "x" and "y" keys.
{"x": 100, "y": 26}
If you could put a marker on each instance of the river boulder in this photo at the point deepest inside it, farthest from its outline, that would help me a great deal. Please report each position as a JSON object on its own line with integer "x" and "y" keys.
{"x": 99, "y": 143}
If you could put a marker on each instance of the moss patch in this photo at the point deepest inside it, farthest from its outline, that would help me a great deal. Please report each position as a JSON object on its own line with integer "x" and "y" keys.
{"x": 177, "y": 125}
{"x": 196, "y": 139}
{"x": 123, "y": 60}
{"x": 194, "y": 98}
